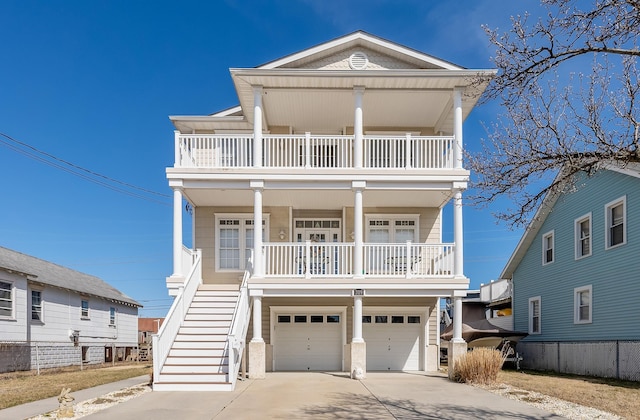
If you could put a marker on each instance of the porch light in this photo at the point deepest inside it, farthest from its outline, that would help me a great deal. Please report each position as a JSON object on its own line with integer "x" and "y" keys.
{"x": 282, "y": 234}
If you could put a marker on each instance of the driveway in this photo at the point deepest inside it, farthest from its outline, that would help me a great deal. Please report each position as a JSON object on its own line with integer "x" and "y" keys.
{"x": 317, "y": 395}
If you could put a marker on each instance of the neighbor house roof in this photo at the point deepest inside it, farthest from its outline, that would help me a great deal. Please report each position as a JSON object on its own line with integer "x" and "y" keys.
{"x": 50, "y": 274}
{"x": 631, "y": 169}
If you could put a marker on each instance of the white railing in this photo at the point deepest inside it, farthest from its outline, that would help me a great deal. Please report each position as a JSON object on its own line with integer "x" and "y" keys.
{"x": 384, "y": 152}
{"x": 308, "y": 259}
{"x": 408, "y": 260}
{"x": 239, "y": 327}
{"x": 314, "y": 151}
{"x": 496, "y": 290}
{"x": 163, "y": 341}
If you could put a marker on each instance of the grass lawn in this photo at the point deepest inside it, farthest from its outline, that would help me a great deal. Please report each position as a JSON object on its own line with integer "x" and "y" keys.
{"x": 21, "y": 387}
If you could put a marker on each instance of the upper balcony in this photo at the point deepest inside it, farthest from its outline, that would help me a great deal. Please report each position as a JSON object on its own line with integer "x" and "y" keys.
{"x": 306, "y": 151}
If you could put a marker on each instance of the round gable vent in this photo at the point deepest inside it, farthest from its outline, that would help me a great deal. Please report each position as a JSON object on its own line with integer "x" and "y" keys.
{"x": 358, "y": 60}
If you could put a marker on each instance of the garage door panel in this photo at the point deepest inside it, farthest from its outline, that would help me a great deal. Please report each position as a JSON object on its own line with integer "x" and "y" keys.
{"x": 392, "y": 346}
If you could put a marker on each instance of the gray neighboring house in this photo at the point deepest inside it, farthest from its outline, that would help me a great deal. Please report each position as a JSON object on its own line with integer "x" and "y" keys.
{"x": 53, "y": 316}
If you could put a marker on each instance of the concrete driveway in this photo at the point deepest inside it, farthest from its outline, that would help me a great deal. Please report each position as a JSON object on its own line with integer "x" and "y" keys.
{"x": 329, "y": 396}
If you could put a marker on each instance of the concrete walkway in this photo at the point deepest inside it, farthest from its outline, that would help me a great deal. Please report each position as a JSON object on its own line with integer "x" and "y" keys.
{"x": 329, "y": 396}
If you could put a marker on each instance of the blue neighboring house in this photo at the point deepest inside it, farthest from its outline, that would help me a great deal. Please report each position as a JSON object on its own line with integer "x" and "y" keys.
{"x": 576, "y": 278}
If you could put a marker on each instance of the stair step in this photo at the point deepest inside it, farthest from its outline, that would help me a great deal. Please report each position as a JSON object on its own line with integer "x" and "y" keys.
{"x": 200, "y": 303}
{"x": 196, "y": 352}
{"x": 202, "y": 323}
{"x": 209, "y": 316}
{"x": 202, "y": 345}
{"x": 209, "y": 310}
{"x": 204, "y": 330}
{"x": 195, "y": 369}
{"x": 202, "y": 358}
{"x": 193, "y": 377}
{"x": 220, "y": 287}
{"x": 193, "y": 387}
{"x": 218, "y": 338}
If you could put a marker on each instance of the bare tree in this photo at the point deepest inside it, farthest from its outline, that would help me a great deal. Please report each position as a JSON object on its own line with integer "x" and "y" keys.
{"x": 559, "y": 122}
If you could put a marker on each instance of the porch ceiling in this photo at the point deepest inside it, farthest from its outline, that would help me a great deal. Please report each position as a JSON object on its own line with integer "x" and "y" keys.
{"x": 317, "y": 199}
{"x": 311, "y": 100}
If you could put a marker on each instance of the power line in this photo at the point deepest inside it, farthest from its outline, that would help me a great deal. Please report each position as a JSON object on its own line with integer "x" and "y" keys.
{"x": 74, "y": 170}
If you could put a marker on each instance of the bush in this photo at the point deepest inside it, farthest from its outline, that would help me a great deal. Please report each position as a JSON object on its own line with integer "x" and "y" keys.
{"x": 479, "y": 366}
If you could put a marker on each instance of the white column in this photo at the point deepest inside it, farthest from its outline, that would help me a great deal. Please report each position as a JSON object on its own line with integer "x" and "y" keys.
{"x": 177, "y": 233}
{"x": 358, "y": 186}
{"x": 258, "y": 267}
{"x": 457, "y": 320}
{"x": 357, "y": 319}
{"x": 257, "y": 126}
{"x": 457, "y": 126}
{"x": 458, "y": 266}
{"x": 257, "y": 320}
{"x": 357, "y": 127}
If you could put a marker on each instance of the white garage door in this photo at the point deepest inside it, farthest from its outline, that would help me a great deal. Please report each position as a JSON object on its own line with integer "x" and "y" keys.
{"x": 308, "y": 342}
{"x": 393, "y": 341}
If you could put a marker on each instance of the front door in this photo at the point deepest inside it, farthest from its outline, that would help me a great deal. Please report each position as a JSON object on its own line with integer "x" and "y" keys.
{"x": 321, "y": 257}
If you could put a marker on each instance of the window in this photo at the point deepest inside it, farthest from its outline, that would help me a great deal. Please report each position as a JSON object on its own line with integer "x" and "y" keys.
{"x": 300, "y": 318}
{"x": 84, "y": 309}
{"x": 616, "y": 218}
{"x": 112, "y": 316}
{"x": 534, "y": 315}
{"x": 394, "y": 229}
{"x": 317, "y": 319}
{"x": 583, "y": 236}
{"x": 6, "y": 299}
{"x": 36, "y": 305}
{"x": 333, "y": 319}
{"x": 547, "y": 248}
{"x": 234, "y": 241}
{"x": 397, "y": 319}
{"x": 582, "y": 298}
{"x": 412, "y": 319}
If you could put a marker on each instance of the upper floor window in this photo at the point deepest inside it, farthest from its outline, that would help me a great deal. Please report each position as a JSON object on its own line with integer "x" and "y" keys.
{"x": 235, "y": 241}
{"x": 84, "y": 309}
{"x": 36, "y": 305}
{"x": 392, "y": 229}
{"x": 547, "y": 248}
{"x": 616, "y": 221}
{"x": 583, "y": 236}
{"x": 583, "y": 308}
{"x": 112, "y": 316}
{"x": 534, "y": 315}
{"x": 6, "y": 299}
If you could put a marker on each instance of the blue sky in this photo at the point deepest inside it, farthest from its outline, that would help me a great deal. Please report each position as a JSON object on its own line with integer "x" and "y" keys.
{"x": 93, "y": 83}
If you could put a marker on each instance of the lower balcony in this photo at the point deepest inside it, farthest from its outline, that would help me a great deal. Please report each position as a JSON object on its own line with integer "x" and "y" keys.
{"x": 314, "y": 260}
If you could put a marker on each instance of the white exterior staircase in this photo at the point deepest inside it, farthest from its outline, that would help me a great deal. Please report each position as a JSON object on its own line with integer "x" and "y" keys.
{"x": 199, "y": 356}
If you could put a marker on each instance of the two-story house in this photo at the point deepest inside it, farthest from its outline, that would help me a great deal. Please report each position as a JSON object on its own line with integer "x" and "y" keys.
{"x": 53, "y": 316}
{"x": 575, "y": 280}
{"x": 344, "y": 155}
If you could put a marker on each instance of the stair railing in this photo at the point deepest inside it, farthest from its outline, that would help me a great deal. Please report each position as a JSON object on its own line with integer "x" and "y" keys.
{"x": 163, "y": 341}
{"x": 239, "y": 327}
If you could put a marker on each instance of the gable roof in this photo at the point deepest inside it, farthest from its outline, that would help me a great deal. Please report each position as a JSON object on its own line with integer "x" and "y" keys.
{"x": 631, "y": 169}
{"x": 51, "y": 274}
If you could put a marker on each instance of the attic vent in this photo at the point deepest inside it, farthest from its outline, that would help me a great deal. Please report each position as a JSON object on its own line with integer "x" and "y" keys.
{"x": 358, "y": 60}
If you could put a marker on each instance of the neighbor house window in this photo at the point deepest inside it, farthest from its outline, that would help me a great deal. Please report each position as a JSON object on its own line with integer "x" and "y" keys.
{"x": 582, "y": 298}
{"x": 534, "y": 315}
{"x": 36, "y": 305}
{"x": 112, "y": 316}
{"x": 616, "y": 218}
{"x": 547, "y": 248}
{"x": 6, "y": 299}
{"x": 235, "y": 241}
{"x": 583, "y": 236}
{"x": 84, "y": 309}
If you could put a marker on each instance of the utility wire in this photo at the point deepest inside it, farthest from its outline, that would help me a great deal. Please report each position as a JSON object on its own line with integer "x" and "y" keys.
{"x": 74, "y": 170}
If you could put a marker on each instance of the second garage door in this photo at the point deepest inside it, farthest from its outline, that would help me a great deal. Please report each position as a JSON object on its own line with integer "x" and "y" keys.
{"x": 393, "y": 341}
{"x": 308, "y": 342}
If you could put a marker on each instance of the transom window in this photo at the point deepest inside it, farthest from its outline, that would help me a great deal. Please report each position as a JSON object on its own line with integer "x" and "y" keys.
{"x": 582, "y": 305}
{"x": 235, "y": 241}
{"x": 547, "y": 248}
{"x": 583, "y": 236}
{"x": 313, "y": 319}
{"x": 534, "y": 315}
{"x": 6, "y": 299}
{"x": 616, "y": 217}
{"x": 36, "y": 305}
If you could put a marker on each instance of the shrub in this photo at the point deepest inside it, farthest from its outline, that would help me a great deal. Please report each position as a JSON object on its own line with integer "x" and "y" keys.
{"x": 479, "y": 366}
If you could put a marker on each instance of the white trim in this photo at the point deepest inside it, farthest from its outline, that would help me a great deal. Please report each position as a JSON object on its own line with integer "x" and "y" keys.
{"x": 607, "y": 222}
{"x": 576, "y": 304}
{"x": 551, "y": 234}
{"x": 530, "y": 316}
{"x": 577, "y": 235}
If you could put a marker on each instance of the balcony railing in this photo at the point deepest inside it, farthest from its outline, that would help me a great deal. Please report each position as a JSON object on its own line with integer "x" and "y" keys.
{"x": 325, "y": 260}
{"x": 312, "y": 151}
